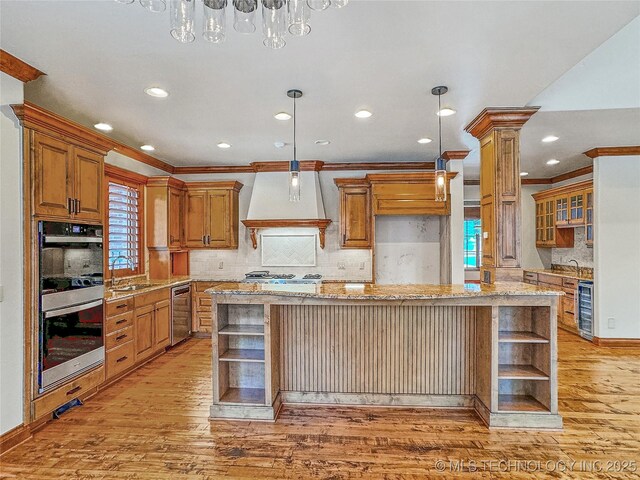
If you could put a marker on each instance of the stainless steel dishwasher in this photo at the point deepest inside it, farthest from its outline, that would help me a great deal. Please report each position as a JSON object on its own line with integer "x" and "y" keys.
{"x": 180, "y": 313}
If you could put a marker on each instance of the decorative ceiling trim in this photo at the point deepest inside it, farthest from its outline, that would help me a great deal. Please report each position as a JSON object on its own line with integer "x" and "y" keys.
{"x": 305, "y": 165}
{"x": 455, "y": 154}
{"x": 573, "y": 174}
{"x": 612, "y": 151}
{"x": 140, "y": 156}
{"x": 124, "y": 174}
{"x": 499, "y": 117}
{"x": 36, "y": 118}
{"x": 414, "y": 177}
{"x": 17, "y": 68}
{"x": 536, "y": 181}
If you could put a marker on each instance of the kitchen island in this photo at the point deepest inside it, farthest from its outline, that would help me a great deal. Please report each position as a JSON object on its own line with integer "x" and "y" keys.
{"x": 491, "y": 348}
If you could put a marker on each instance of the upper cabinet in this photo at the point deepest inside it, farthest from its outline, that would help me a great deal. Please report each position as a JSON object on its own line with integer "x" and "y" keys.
{"x": 165, "y": 213}
{"x": 355, "y": 212}
{"x": 211, "y": 215}
{"x": 65, "y": 166}
{"x": 559, "y": 211}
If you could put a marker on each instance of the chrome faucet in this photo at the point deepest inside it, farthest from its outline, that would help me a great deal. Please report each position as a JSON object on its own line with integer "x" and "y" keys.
{"x": 577, "y": 266}
{"x": 113, "y": 264}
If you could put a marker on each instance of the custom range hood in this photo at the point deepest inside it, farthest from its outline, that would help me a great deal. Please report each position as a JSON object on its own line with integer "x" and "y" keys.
{"x": 270, "y": 206}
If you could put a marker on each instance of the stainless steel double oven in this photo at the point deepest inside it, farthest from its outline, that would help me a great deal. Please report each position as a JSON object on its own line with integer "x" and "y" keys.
{"x": 71, "y": 316}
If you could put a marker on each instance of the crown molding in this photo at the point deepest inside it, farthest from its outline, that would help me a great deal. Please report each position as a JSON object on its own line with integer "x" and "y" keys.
{"x": 17, "y": 68}
{"x": 455, "y": 154}
{"x": 573, "y": 174}
{"x": 305, "y": 165}
{"x": 612, "y": 151}
{"x": 379, "y": 166}
{"x": 499, "y": 117}
{"x": 36, "y": 118}
{"x": 140, "y": 156}
{"x": 123, "y": 174}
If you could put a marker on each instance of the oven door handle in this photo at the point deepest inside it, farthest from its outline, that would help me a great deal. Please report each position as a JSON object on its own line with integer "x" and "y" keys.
{"x": 75, "y": 308}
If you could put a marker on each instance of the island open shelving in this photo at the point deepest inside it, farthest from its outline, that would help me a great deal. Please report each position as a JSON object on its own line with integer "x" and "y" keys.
{"x": 490, "y": 348}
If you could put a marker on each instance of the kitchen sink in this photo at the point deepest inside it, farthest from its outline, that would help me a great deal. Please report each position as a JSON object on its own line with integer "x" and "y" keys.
{"x": 132, "y": 288}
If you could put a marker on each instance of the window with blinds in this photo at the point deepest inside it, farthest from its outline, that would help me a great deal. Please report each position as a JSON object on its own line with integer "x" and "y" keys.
{"x": 124, "y": 227}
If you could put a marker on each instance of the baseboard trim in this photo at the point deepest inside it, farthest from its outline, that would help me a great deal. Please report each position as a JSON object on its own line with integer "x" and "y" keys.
{"x": 14, "y": 437}
{"x": 378, "y": 399}
{"x": 617, "y": 342}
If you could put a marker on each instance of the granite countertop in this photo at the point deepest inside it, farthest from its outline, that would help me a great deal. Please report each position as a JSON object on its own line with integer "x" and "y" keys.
{"x": 370, "y": 291}
{"x": 560, "y": 273}
{"x": 110, "y": 294}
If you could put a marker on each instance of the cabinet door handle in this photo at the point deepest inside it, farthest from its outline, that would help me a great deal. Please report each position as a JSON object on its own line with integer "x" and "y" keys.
{"x": 69, "y": 208}
{"x": 77, "y": 202}
{"x": 121, "y": 359}
{"x": 344, "y": 239}
{"x": 122, "y": 305}
{"x": 74, "y": 390}
{"x": 120, "y": 337}
{"x": 121, "y": 321}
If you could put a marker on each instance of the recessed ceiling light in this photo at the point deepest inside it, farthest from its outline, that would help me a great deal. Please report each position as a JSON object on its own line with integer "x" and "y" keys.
{"x": 363, "y": 114}
{"x": 279, "y": 144}
{"x": 524, "y": 174}
{"x": 156, "y": 92}
{"x": 549, "y": 139}
{"x": 424, "y": 140}
{"x": 282, "y": 116}
{"x": 446, "y": 112}
{"x": 105, "y": 127}
{"x": 322, "y": 142}
{"x": 147, "y": 148}
{"x": 224, "y": 145}
{"x": 553, "y": 161}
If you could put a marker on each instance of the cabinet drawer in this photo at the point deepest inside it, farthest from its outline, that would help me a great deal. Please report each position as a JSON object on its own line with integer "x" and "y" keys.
{"x": 568, "y": 305}
{"x": 203, "y": 302}
{"x": 118, "y": 322}
{"x": 119, "y": 338}
{"x": 531, "y": 277}
{"x": 549, "y": 280}
{"x": 152, "y": 297}
{"x": 49, "y": 402}
{"x": 118, "y": 307}
{"x": 204, "y": 321}
{"x": 570, "y": 283}
{"x": 119, "y": 359}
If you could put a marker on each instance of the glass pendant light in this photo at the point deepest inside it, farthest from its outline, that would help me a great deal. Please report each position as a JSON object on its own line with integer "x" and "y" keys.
{"x": 126, "y": 2}
{"x": 339, "y": 3}
{"x": 441, "y": 173}
{"x": 244, "y": 15}
{"x": 214, "y": 26}
{"x": 274, "y": 23}
{"x": 294, "y": 165}
{"x": 298, "y": 17}
{"x": 318, "y": 5}
{"x": 154, "y": 6}
{"x": 183, "y": 20}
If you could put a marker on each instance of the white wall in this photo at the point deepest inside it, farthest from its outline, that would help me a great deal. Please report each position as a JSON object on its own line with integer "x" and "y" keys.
{"x": 11, "y": 257}
{"x": 456, "y": 225}
{"x": 532, "y": 257}
{"x": 616, "y": 183}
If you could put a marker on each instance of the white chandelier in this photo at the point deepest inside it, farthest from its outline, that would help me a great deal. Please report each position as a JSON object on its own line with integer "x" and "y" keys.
{"x": 278, "y": 17}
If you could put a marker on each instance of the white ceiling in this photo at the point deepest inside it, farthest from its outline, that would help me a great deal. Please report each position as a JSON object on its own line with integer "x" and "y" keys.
{"x": 380, "y": 55}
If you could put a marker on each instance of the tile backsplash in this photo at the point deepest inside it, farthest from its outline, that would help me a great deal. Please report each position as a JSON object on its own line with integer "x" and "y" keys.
{"x": 579, "y": 252}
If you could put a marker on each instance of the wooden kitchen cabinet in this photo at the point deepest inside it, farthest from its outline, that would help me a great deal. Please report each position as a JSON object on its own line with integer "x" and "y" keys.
{"x": 165, "y": 213}
{"x": 65, "y": 167}
{"x": 143, "y": 324}
{"x": 560, "y": 210}
{"x": 211, "y": 215}
{"x": 162, "y": 324}
{"x": 67, "y": 180}
{"x": 355, "y": 213}
{"x": 588, "y": 217}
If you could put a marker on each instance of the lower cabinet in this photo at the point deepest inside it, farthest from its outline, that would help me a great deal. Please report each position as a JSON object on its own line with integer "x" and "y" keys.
{"x": 136, "y": 328}
{"x": 202, "y": 316}
{"x": 566, "y": 304}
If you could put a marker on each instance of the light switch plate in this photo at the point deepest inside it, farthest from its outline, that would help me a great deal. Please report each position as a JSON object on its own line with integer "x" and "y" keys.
{"x": 611, "y": 323}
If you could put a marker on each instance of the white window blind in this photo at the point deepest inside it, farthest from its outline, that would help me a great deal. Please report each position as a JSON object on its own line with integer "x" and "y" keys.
{"x": 124, "y": 227}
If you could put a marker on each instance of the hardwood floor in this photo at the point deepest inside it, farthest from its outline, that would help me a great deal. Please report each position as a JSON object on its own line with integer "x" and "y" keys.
{"x": 153, "y": 425}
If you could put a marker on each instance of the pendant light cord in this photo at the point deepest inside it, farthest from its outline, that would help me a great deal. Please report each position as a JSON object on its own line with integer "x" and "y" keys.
{"x": 439, "y": 128}
{"x": 294, "y": 130}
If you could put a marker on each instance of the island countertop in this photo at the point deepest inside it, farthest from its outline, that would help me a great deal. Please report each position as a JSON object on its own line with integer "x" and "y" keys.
{"x": 369, "y": 291}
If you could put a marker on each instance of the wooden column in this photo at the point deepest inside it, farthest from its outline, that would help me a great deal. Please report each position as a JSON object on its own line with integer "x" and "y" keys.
{"x": 498, "y": 130}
